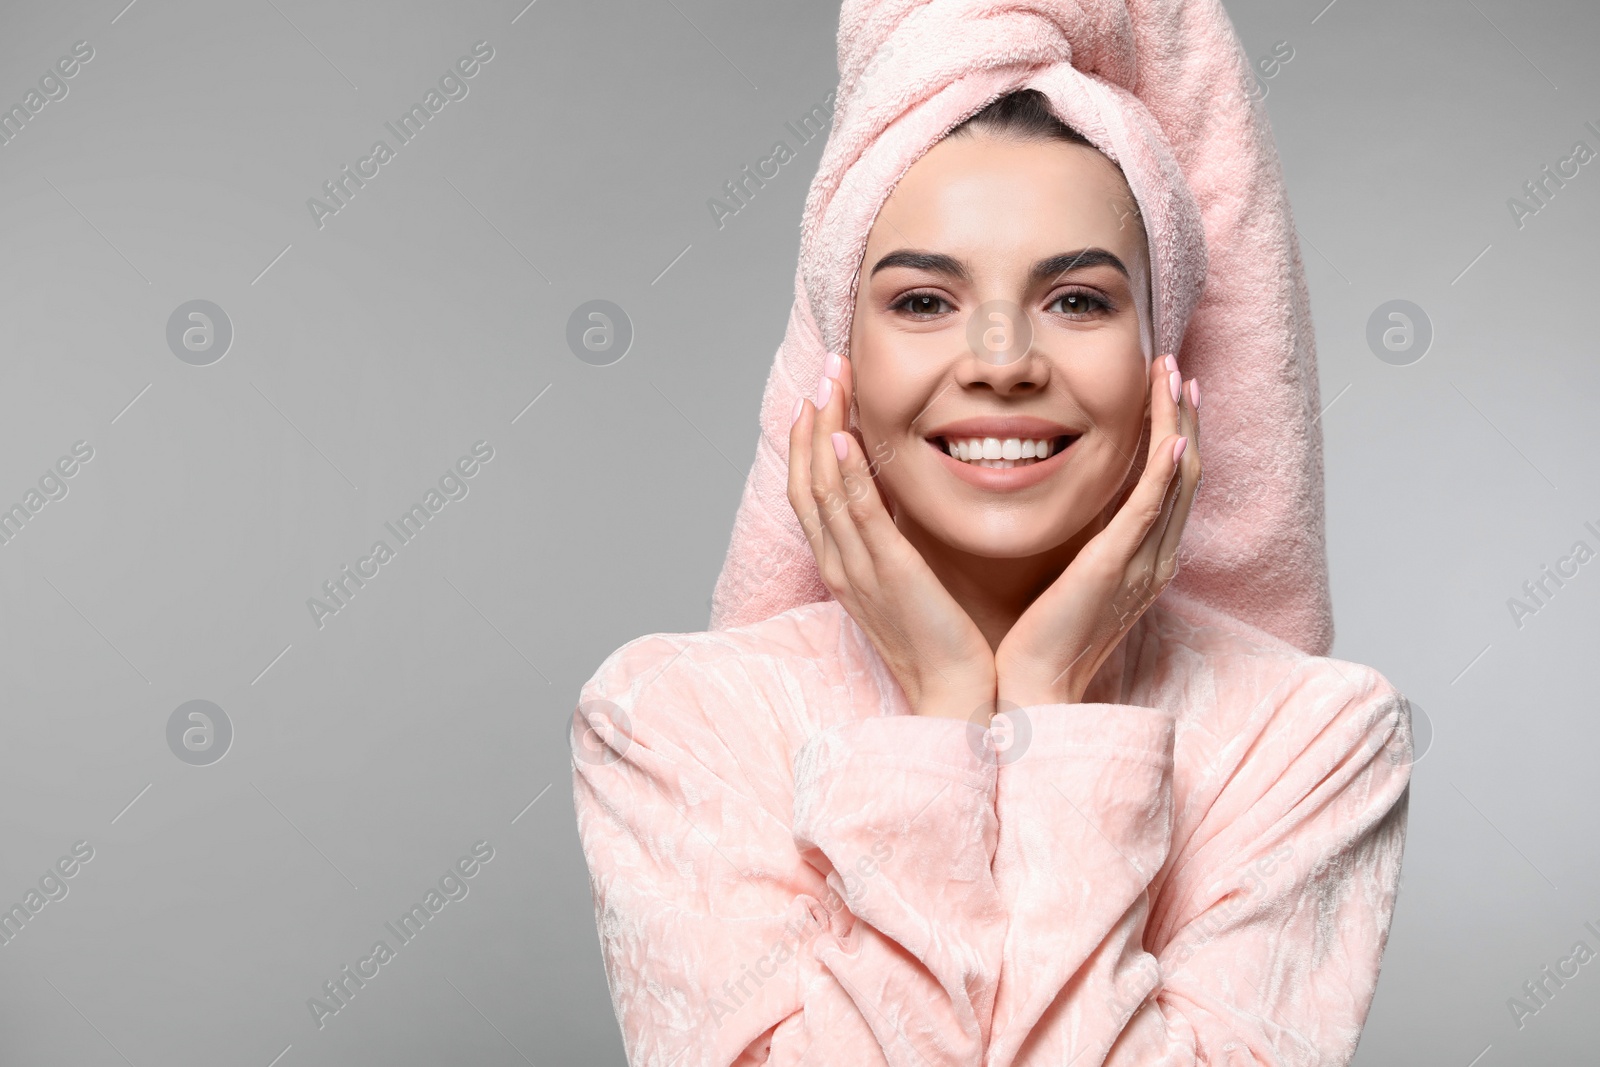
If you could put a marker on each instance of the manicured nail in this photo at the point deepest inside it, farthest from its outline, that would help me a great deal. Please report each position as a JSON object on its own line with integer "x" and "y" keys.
{"x": 1177, "y": 449}
{"x": 1194, "y": 392}
{"x": 1174, "y": 379}
{"x": 1172, "y": 361}
{"x": 833, "y": 365}
{"x": 799, "y": 405}
{"x": 824, "y": 390}
{"x": 841, "y": 446}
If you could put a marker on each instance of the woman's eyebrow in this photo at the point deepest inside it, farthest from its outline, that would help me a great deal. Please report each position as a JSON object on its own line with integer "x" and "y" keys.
{"x": 1045, "y": 269}
{"x": 1068, "y": 261}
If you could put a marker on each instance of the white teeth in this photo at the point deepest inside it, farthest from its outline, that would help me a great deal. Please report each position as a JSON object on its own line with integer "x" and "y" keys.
{"x": 995, "y": 452}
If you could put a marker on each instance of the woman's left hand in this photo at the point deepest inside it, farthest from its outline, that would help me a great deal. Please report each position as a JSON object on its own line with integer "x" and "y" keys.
{"x": 1054, "y": 649}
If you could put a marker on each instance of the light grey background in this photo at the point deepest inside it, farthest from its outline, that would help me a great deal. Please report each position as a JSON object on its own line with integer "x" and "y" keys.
{"x": 432, "y": 711}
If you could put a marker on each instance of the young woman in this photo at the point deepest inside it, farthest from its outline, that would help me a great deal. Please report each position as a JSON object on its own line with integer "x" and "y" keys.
{"x": 1001, "y": 796}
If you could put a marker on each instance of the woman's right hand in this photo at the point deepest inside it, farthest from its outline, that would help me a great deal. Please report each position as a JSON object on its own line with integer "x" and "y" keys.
{"x": 935, "y": 651}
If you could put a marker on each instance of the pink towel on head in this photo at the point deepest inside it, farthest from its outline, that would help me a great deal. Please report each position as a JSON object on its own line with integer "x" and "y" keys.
{"x": 1159, "y": 86}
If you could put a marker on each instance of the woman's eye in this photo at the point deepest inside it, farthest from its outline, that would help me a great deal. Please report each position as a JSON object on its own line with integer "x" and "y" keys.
{"x": 1078, "y": 303}
{"x": 921, "y": 303}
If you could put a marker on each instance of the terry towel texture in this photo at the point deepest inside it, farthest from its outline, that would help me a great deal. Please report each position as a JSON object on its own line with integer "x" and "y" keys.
{"x": 1159, "y": 86}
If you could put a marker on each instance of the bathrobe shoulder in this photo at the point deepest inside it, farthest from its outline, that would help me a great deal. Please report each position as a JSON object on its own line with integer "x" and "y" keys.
{"x": 1197, "y": 864}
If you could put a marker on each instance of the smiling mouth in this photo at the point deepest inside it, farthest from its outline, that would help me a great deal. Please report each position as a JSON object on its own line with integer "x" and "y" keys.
{"x": 1001, "y": 452}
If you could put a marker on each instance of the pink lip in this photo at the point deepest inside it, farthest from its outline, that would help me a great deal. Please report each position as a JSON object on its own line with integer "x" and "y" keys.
{"x": 1003, "y": 426}
{"x": 1003, "y": 479}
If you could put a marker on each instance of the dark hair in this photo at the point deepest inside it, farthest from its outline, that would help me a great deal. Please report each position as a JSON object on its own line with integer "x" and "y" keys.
{"x": 1025, "y": 114}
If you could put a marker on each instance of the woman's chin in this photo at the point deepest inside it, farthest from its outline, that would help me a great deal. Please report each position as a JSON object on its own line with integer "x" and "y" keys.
{"x": 981, "y": 536}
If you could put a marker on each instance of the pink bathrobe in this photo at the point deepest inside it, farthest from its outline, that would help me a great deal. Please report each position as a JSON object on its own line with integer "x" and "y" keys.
{"x": 1195, "y": 865}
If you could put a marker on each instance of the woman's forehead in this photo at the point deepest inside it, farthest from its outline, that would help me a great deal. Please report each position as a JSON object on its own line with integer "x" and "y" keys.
{"x": 986, "y": 197}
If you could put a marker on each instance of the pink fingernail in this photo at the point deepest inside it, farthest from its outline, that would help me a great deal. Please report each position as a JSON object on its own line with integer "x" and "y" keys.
{"x": 799, "y": 405}
{"x": 1177, "y": 449}
{"x": 1194, "y": 392}
{"x": 824, "y": 390}
{"x": 1176, "y": 381}
{"x": 841, "y": 447}
{"x": 1172, "y": 361}
{"x": 833, "y": 365}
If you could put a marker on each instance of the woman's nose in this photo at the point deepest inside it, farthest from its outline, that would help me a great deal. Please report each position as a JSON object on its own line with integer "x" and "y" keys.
{"x": 1000, "y": 352}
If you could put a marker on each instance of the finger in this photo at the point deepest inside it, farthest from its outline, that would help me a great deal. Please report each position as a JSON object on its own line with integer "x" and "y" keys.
{"x": 1159, "y": 551}
{"x": 864, "y": 510}
{"x": 1147, "y": 558}
{"x": 1131, "y": 525}
{"x": 1163, "y": 408}
{"x": 800, "y": 495}
{"x": 1189, "y": 482}
{"x": 1166, "y": 418}
{"x": 828, "y": 487}
{"x": 1168, "y": 408}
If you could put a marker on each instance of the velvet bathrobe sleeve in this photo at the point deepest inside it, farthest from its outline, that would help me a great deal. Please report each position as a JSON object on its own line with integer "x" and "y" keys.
{"x": 1126, "y": 886}
{"x": 854, "y": 920}
{"x": 1258, "y": 941}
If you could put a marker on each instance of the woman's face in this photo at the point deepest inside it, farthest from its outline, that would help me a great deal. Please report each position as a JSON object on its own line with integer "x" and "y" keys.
{"x": 991, "y": 306}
